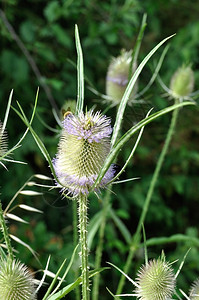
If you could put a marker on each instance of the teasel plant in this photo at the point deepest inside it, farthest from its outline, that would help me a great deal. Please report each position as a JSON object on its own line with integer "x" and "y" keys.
{"x": 84, "y": 162}
{"x": 119, "y": 73}
{"x": 193, "y": 292}
{"x": 16, "y": 280}
{"x": 5, "y": 153}
{"x": 181, "y": 89}
{"x": 155, "y": 279}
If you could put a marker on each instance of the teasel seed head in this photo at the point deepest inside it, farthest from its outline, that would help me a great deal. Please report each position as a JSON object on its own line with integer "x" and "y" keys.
{"x": 155, "y": 280}
{"x": 16, "y": 281}
{"x": 118, "y": 76}
{"x": 82, "y": 150}
{"x": 194, "y": 291}
{"x": 182, "y": 82}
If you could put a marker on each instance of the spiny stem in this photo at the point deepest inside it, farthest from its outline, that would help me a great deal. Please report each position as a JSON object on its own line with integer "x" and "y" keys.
{"x": 5, "y": 233}
{"x": 84, "y": 245}
{"x": 75, "y": 241}
{"x": 99, "y": 249}
{"x": 137, "y": 237}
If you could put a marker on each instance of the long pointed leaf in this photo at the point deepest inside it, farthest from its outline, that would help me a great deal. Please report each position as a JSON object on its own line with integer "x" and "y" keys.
{"x": 63, "y": 277}
{"x": 54, "y": 280}
{"x": 123, "y": 229}
{"x": 128, "y": 90}
{"x": 80, "y": 73}
{"x": 62, "y": 293}
{"x": 39, "y": 143}
{"x": 124, "y": 139}
{"x": 7, "y": 112}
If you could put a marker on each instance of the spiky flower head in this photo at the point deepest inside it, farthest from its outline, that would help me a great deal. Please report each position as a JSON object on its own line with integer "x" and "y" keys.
{"x": 194, "y": 291}
{"x": 118, "y": 76}
{"x": 156, "y": 281}
{"x": 16, "y": 281}
{"x": 182, "y": 82}
{"x": 3, "y": 140}
{"x": 82, "y": 150}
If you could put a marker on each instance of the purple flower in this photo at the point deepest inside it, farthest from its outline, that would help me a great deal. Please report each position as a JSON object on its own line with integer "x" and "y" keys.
{"x": 82, "y": 150}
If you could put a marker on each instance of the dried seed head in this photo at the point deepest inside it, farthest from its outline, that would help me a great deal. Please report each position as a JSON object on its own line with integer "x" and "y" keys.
{"x": 182, "y": 82}
{"x": 16, "y": 281}
{"x": 82, "y": 150}
{"x": 118, "y": 76}
{"x": 194, "y": 291}
{"x": 156, "y": 281}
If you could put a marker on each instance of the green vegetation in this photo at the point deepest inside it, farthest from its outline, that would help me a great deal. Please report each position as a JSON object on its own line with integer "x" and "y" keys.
{"x": 38, "y": 49}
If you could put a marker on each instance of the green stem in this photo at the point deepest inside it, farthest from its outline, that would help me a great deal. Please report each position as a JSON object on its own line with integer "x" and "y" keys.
{"x": 5, "y": 233}
{"x": 99, "y": 249}
{"x": 75, "y": 241}
{"x": 137, "y": 236}
{"x": 84, "y": 245}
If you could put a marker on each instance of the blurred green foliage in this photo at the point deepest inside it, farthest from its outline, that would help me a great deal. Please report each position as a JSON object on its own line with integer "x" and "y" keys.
{"x": 46, "y": 28}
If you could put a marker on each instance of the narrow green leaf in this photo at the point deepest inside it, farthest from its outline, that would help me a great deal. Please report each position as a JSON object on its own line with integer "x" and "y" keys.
{"x": 62, "y": 293}
{"x": 145, "y": 246}
{"x": 23, "y": 136}
{"x": 128, "y": 90}
{"x": 7, "y": 111}
{"x": 136, "y": 49}
{"x": 129, "y": 278}
{"x": 41, "y": 282}
{"x": 131, "y": 154}
{"x": 39, "y": 143}
{"x": 176, "y": 238}
{"x": 54, "y": 280}
{"x": 155, "y": 73}
{"x": 80, "y": 73}
{"x": 64, "y": 276}
{"x": 2, "y": 253}
{"x": 182, "y": 263}
{"x": 115, "y": 297}
{"x": 123, "y": 229}
{"x": 124, "y": 139}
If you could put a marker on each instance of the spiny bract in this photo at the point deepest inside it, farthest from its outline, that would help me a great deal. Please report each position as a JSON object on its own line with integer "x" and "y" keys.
{"x": 16, "y": 281}
{"x": 156, "y": 281}
{"x": 194, "y": 291}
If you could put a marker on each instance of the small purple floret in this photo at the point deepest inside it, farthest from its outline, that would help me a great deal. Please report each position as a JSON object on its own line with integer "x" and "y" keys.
{"x": 98, "y": 128}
